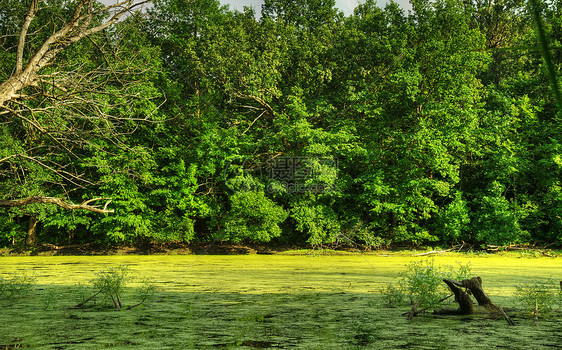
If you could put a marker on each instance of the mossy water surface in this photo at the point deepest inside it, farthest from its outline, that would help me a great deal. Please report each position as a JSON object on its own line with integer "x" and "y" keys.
{"x": 263, "y": 301}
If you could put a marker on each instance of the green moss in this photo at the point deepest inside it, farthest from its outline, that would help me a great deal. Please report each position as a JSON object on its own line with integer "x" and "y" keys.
{"x": 262, "y": 301}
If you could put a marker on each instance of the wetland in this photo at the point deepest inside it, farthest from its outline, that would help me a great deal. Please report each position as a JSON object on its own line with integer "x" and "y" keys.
{"x": 264, "y": 301}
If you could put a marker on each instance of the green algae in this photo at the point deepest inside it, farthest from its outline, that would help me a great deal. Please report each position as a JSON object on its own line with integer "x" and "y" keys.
{"x": 264, "y": 301}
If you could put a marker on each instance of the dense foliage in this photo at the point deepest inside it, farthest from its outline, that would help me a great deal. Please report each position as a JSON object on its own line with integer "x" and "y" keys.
{"x": 305, "y": 126}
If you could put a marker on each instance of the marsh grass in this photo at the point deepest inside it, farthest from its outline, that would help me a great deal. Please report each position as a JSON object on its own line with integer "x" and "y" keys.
{"x": 16, "y": 286}
{"x": 540, "y": 298}
{"x": 248, "y": 302}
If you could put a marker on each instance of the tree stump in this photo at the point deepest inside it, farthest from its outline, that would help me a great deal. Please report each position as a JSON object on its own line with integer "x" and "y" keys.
{"x": 466, "y": 306}
{"x": 474, "y": 285}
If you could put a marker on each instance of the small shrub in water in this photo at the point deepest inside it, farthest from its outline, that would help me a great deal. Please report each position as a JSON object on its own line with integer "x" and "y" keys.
{"x": 146, "y": 291}
{"x": 393, "y": 296}
{"x": 538, "y": 297}
{"x": 111, "y": 282}
{"x": 17, "y": 286}
{"x": 422, "y": 283}
{"x": 108, "y": 283}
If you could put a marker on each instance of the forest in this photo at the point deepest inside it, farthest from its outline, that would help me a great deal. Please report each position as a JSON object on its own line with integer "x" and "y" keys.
{"x": 293, "y": 124}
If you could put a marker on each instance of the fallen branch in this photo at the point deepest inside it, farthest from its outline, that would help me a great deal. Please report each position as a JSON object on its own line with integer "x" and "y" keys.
{"x": 507, "y": 318}
{"x": 433, "y": 252}
{"x": 86, "y": 205}
{"x": 81, "y": 305}
{"x": 70, "y": 246}
{"x": 458, "y": 248}
{"x": 133, "y": 306}
{"x": 415, "y": 311}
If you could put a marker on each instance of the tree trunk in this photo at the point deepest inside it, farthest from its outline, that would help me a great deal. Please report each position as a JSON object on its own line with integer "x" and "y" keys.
{"x": 466, "y": 307}
{"x": 10, "y": 88}
{"x": 31, "y": 237}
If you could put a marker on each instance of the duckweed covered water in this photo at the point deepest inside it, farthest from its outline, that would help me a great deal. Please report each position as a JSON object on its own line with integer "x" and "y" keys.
{"x": 263, "y": 301}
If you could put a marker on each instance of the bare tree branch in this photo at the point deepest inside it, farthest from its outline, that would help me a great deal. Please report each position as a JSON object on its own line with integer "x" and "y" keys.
{"x": 60, "y": 112}
{"x": 25, "y": 27}
{"x": 71, "y": 178}
{"x": 74, "y": 30}
{"x": 59, "y": 202}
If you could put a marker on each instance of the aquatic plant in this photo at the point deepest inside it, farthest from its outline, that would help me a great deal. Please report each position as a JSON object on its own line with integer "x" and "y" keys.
{"x": 17, "y": 286}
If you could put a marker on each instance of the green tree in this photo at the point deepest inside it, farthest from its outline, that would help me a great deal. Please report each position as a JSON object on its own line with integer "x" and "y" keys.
{"x": 423, "y": 101}
{"x": 306, "y": 14}
{"x": 66, "y": 93}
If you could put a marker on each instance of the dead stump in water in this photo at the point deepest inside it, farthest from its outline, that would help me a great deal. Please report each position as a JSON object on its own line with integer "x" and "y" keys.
{"x": 473, "y": 286}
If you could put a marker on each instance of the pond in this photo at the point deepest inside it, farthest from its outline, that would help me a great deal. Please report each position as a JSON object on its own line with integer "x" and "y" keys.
{"x": 262, "y": 301}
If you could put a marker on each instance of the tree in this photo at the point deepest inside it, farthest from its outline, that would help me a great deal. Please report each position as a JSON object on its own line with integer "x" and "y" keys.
{"x": 417, "y": 105}
{"x": 306, "y": 14}
{"x": 32, "y": 58}
{"x": 66, "y": 95}
{"x": 302, "y": 126}
{"x": 500, "y": 21}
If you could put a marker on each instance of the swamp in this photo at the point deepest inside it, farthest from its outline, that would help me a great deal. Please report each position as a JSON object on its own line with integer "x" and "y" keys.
{"x": 281, "y": 301}
{"x": 400, "y": 125}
